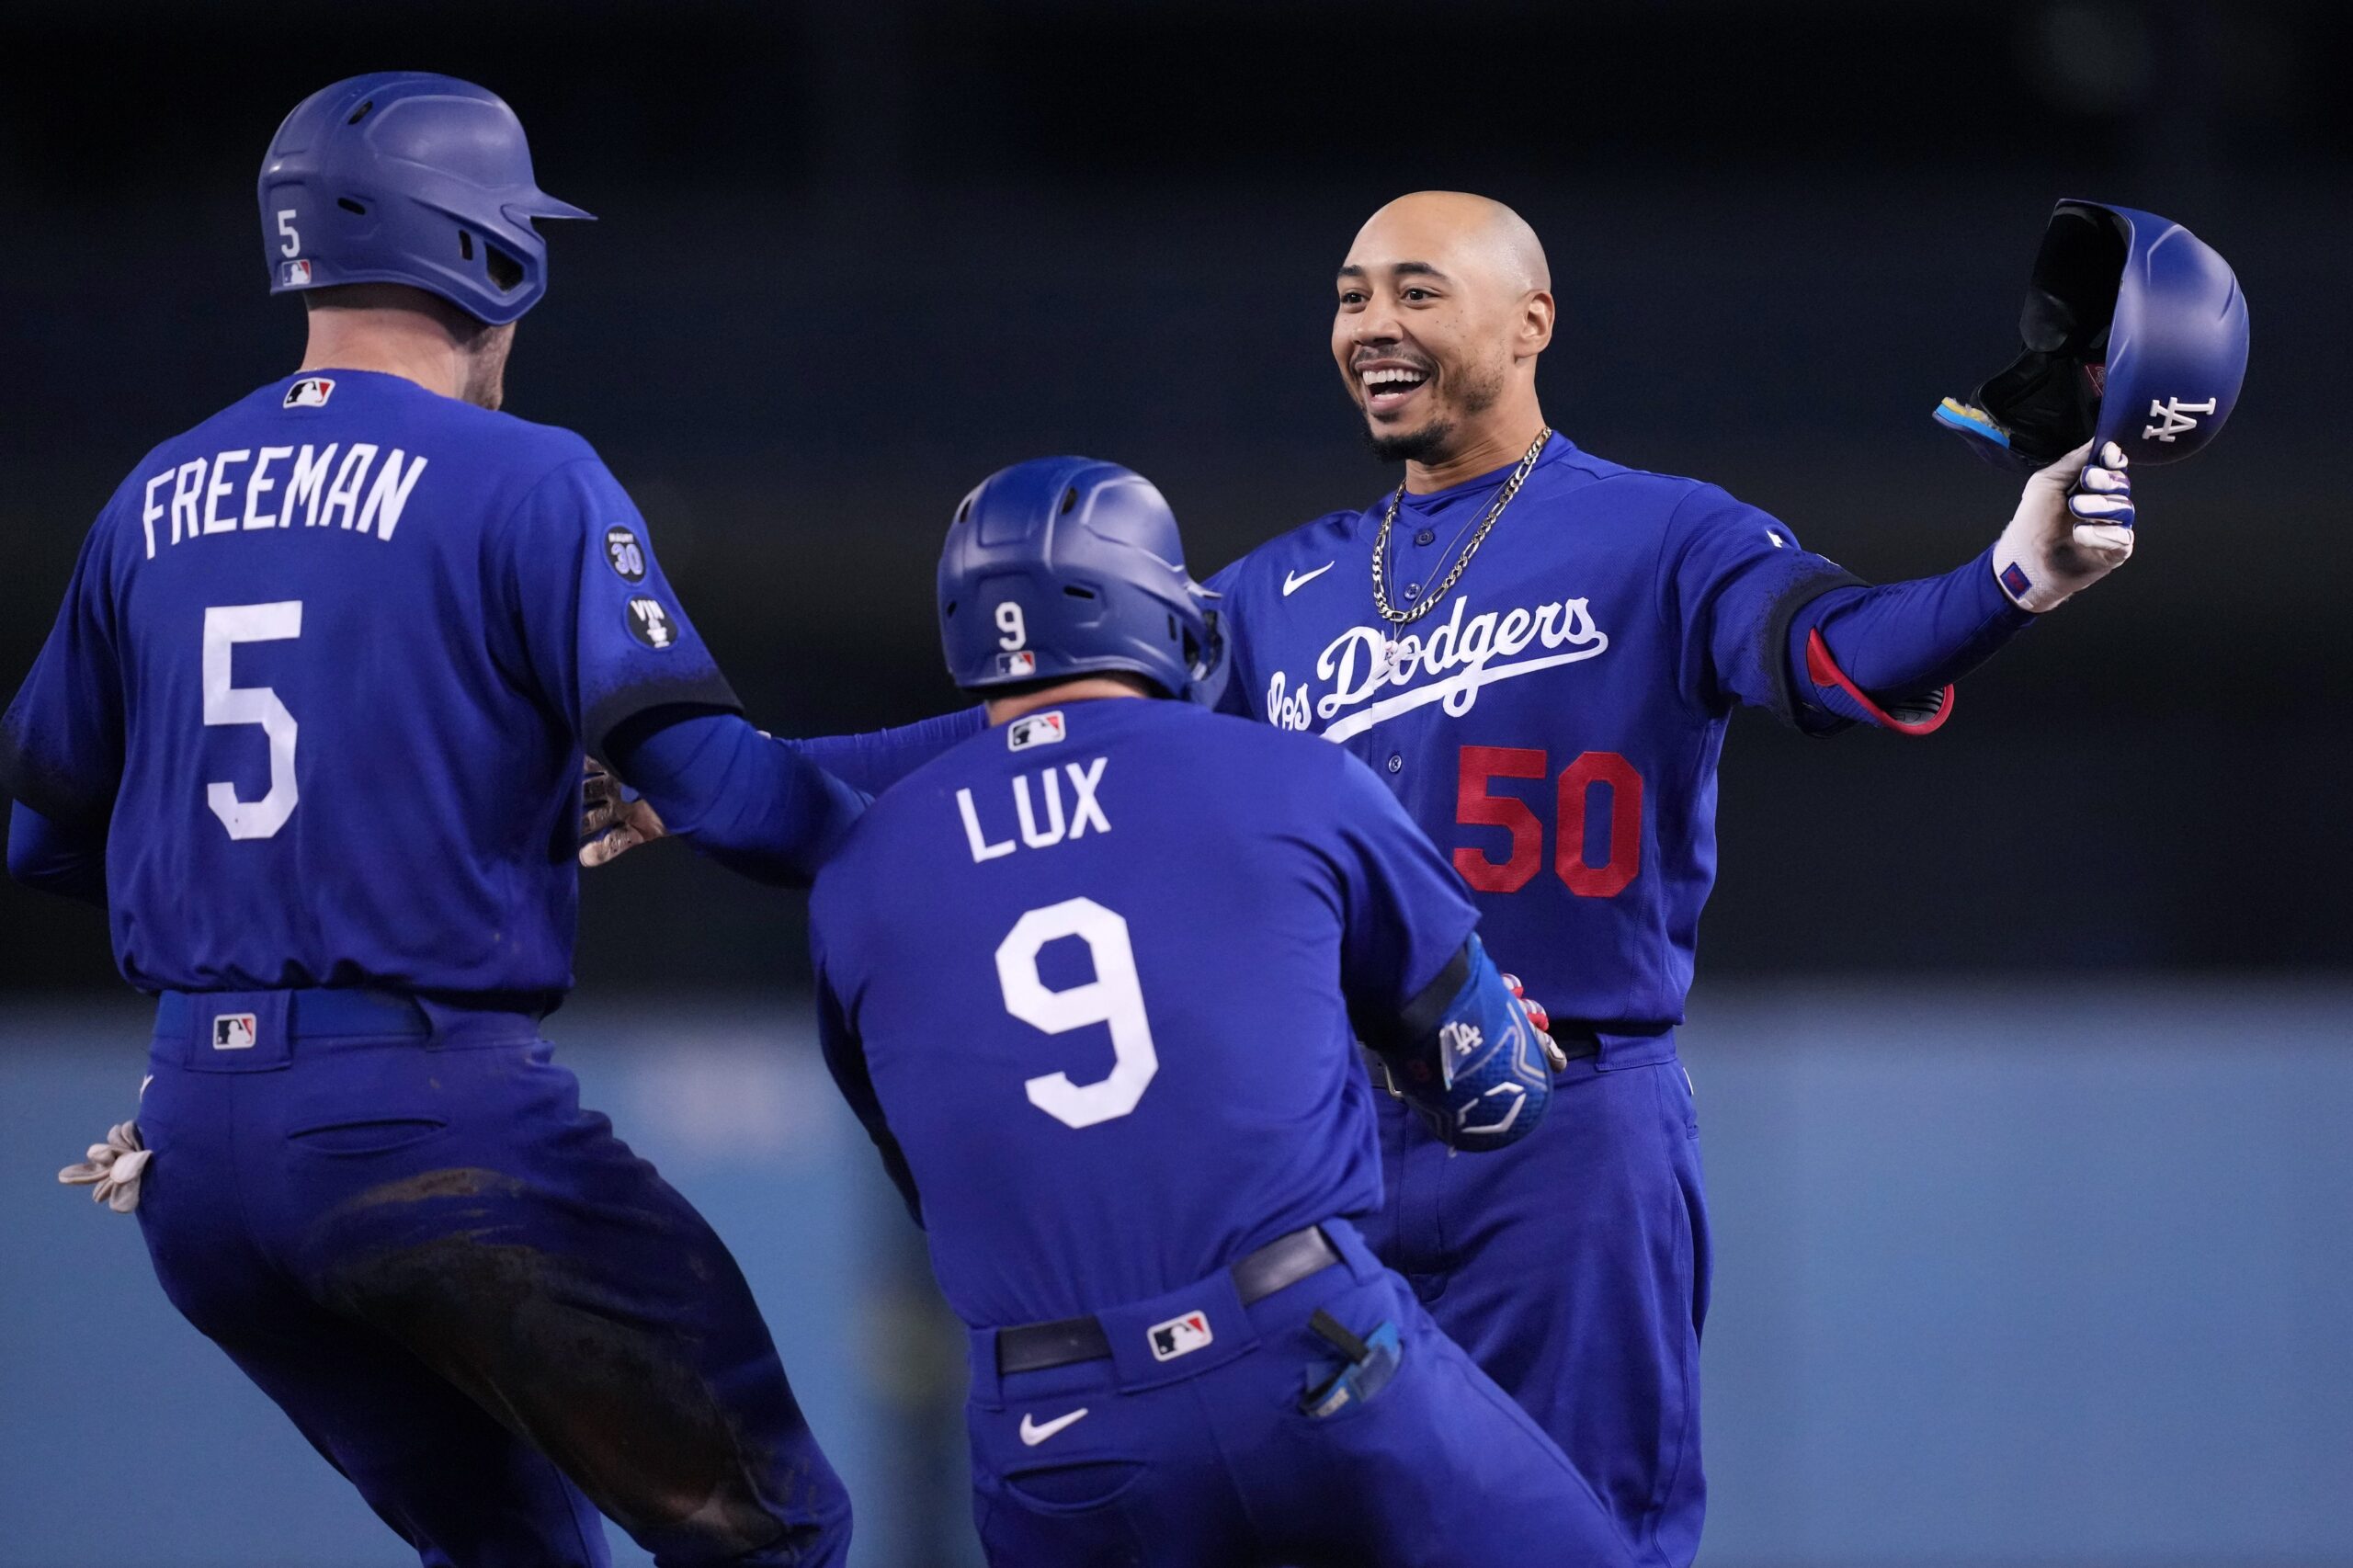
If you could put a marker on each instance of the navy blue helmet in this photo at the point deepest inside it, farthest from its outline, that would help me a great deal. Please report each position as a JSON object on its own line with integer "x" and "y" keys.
{"x": 1068, "y": 566}
{"x": 2134, "y": 332}
{"x": 403, "y": 176}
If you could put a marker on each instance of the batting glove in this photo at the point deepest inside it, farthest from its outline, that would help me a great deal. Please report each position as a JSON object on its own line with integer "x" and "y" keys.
{"x": 113, "y": 1168}
{"x": 1538, "y": 1019}
{"x": 2074, "y": 526}
{"x": 612, "y": 822}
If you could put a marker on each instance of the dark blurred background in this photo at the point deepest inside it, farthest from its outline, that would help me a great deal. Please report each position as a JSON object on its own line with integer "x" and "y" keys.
{"x": 853, "y": 257}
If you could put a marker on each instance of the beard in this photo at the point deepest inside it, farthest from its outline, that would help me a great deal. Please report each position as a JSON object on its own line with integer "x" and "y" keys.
{"x": 1434, "y": 441}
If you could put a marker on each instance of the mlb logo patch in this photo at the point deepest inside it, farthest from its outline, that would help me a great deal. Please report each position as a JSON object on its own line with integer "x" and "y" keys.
{"x": 2014, "y": 578}
{"x": 310, "y": 392}
{"x": 1037, "y": 730}
{"x": 1179, "y": 1337}
{"x": 234, "y": 1031}
{"x": 1022, "y": 664}
{"x": 295, "y": 274}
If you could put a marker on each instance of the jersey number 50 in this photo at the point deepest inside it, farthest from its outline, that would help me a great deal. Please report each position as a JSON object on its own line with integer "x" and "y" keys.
{"x": 1112, "y": 997}
{"x": 1573, "y": 813}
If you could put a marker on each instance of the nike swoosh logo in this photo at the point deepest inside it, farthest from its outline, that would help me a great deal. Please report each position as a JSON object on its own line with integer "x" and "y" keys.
{"x": 1032, "y": 1434}
{"x": 1294, "y": 580}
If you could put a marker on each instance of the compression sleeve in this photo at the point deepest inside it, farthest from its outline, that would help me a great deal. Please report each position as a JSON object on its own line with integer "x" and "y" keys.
{"x": 71, "y": 862}
{"x": 1884, "y": 655}
{"x": 875, "y": 760}
{"x": 752, "y": 803}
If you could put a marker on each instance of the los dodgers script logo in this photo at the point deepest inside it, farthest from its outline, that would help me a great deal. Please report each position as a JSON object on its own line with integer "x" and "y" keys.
{"x": 1455, "y": 661}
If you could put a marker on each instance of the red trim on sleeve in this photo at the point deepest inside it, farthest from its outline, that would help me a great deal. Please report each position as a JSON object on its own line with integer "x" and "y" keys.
{"x": 1824, "y": 671}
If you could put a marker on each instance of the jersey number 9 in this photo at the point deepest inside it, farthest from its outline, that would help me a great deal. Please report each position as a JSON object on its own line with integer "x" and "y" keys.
{"x": 1112, "y": 997}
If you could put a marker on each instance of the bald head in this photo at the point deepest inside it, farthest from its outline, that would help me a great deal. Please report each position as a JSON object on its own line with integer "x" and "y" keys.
{"x": 1445, "y": 303}
{"x": 1477, "y": 234}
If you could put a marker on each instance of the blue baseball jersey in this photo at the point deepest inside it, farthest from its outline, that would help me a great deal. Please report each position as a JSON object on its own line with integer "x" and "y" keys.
{"x": 1553, "y": 723}
{"x": 323, "y": 676}
{"x": 1087, "y": 978}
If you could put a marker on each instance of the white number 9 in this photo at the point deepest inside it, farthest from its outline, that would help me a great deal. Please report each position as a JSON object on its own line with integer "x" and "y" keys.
{"x": 1009, "y": 621}
{"x": 1112, "y": 997}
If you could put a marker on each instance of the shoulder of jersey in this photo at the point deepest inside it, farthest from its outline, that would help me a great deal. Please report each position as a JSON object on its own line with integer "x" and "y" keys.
{"x": 519, "y": 442}
{"x": 1618, "y": 481}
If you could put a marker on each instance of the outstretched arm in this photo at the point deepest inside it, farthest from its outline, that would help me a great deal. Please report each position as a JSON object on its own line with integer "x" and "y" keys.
{"x": 615, "y": 820}
{"x": 751, "y": 803}
{"x": 1889, "y": 655}
{"x": 876, "y": 759}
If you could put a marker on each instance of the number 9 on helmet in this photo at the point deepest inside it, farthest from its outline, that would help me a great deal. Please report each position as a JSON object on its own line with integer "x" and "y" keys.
{"x": 1062, "y": 567}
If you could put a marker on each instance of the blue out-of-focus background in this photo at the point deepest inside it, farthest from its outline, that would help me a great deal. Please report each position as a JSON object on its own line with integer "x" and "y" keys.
{"x": 2024, "y": 1054}
{"x": 2005, "y": 1274}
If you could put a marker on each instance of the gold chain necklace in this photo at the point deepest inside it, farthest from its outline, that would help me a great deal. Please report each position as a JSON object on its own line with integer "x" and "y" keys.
{"x": 1397, "y": 618}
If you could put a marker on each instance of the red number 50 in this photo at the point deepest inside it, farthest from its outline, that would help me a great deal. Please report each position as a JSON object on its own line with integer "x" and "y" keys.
{"x": 1475, "y": 806}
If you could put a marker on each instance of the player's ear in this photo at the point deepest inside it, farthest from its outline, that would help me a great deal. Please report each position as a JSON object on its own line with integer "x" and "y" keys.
{"x": 1536, "y": 311}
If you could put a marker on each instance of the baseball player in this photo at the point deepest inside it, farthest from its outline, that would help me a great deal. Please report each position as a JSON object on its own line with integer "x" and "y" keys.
{"x": 310, "y": 725}
{"x": 1537, "y": 651}
{"x": 1160, "y": 931}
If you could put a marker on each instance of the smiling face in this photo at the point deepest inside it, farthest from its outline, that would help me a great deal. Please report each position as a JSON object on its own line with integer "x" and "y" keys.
{"x": 1443, "y": 305}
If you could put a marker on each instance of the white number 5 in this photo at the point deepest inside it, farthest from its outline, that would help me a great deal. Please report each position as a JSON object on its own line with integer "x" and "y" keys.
{"x": 293, "y": 245}
{"x": 226, "y": 626}
{"x": 1111, "y": 997}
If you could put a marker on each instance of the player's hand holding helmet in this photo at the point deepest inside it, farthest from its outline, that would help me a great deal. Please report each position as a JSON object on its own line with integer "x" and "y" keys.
{"x": 2074, "y": 526}
{"x": 2133, "y": 346}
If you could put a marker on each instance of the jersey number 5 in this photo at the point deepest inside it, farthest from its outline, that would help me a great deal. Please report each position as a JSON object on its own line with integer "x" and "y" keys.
{"x": 1112, "y": 997}
{"x": 226, "y": 626}
{"x": 1474, "y": 805}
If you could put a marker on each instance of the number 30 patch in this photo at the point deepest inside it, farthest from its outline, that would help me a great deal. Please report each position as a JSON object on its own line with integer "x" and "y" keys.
{"x": 624, "y": 554}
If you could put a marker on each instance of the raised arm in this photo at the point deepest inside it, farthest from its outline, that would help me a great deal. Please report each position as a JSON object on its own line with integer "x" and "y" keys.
{"x": 1765, "y": 622}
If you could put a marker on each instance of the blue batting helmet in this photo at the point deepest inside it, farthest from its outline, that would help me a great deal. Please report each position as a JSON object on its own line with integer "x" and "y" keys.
{"x": 2135, "y": 331}
{"x": 403, "y": 176}
{"x": 1066, "y": 566}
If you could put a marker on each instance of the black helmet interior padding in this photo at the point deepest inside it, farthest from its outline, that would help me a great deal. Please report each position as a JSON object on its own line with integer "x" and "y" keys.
{"x": 2048, "y": 399}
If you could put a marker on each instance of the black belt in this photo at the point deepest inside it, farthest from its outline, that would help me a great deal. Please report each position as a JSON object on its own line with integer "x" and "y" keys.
{"x": 1285, "y": 1261}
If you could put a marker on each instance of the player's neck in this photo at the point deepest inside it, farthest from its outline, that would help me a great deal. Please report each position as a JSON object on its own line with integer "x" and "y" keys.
{"x": 1497, "y": 442}
{"x": 405, "y": 344}
{"x": 1005, "y": 710}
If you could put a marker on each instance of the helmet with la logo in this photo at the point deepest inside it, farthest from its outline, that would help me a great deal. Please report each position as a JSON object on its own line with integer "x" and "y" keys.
{"x": 2134, "y": 332}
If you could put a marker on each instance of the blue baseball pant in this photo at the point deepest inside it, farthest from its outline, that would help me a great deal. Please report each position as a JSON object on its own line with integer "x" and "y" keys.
{"x": 1574, "y": 1266}
{"x": 471, "y": 1297}
{"x": 1211, "y": 1457}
